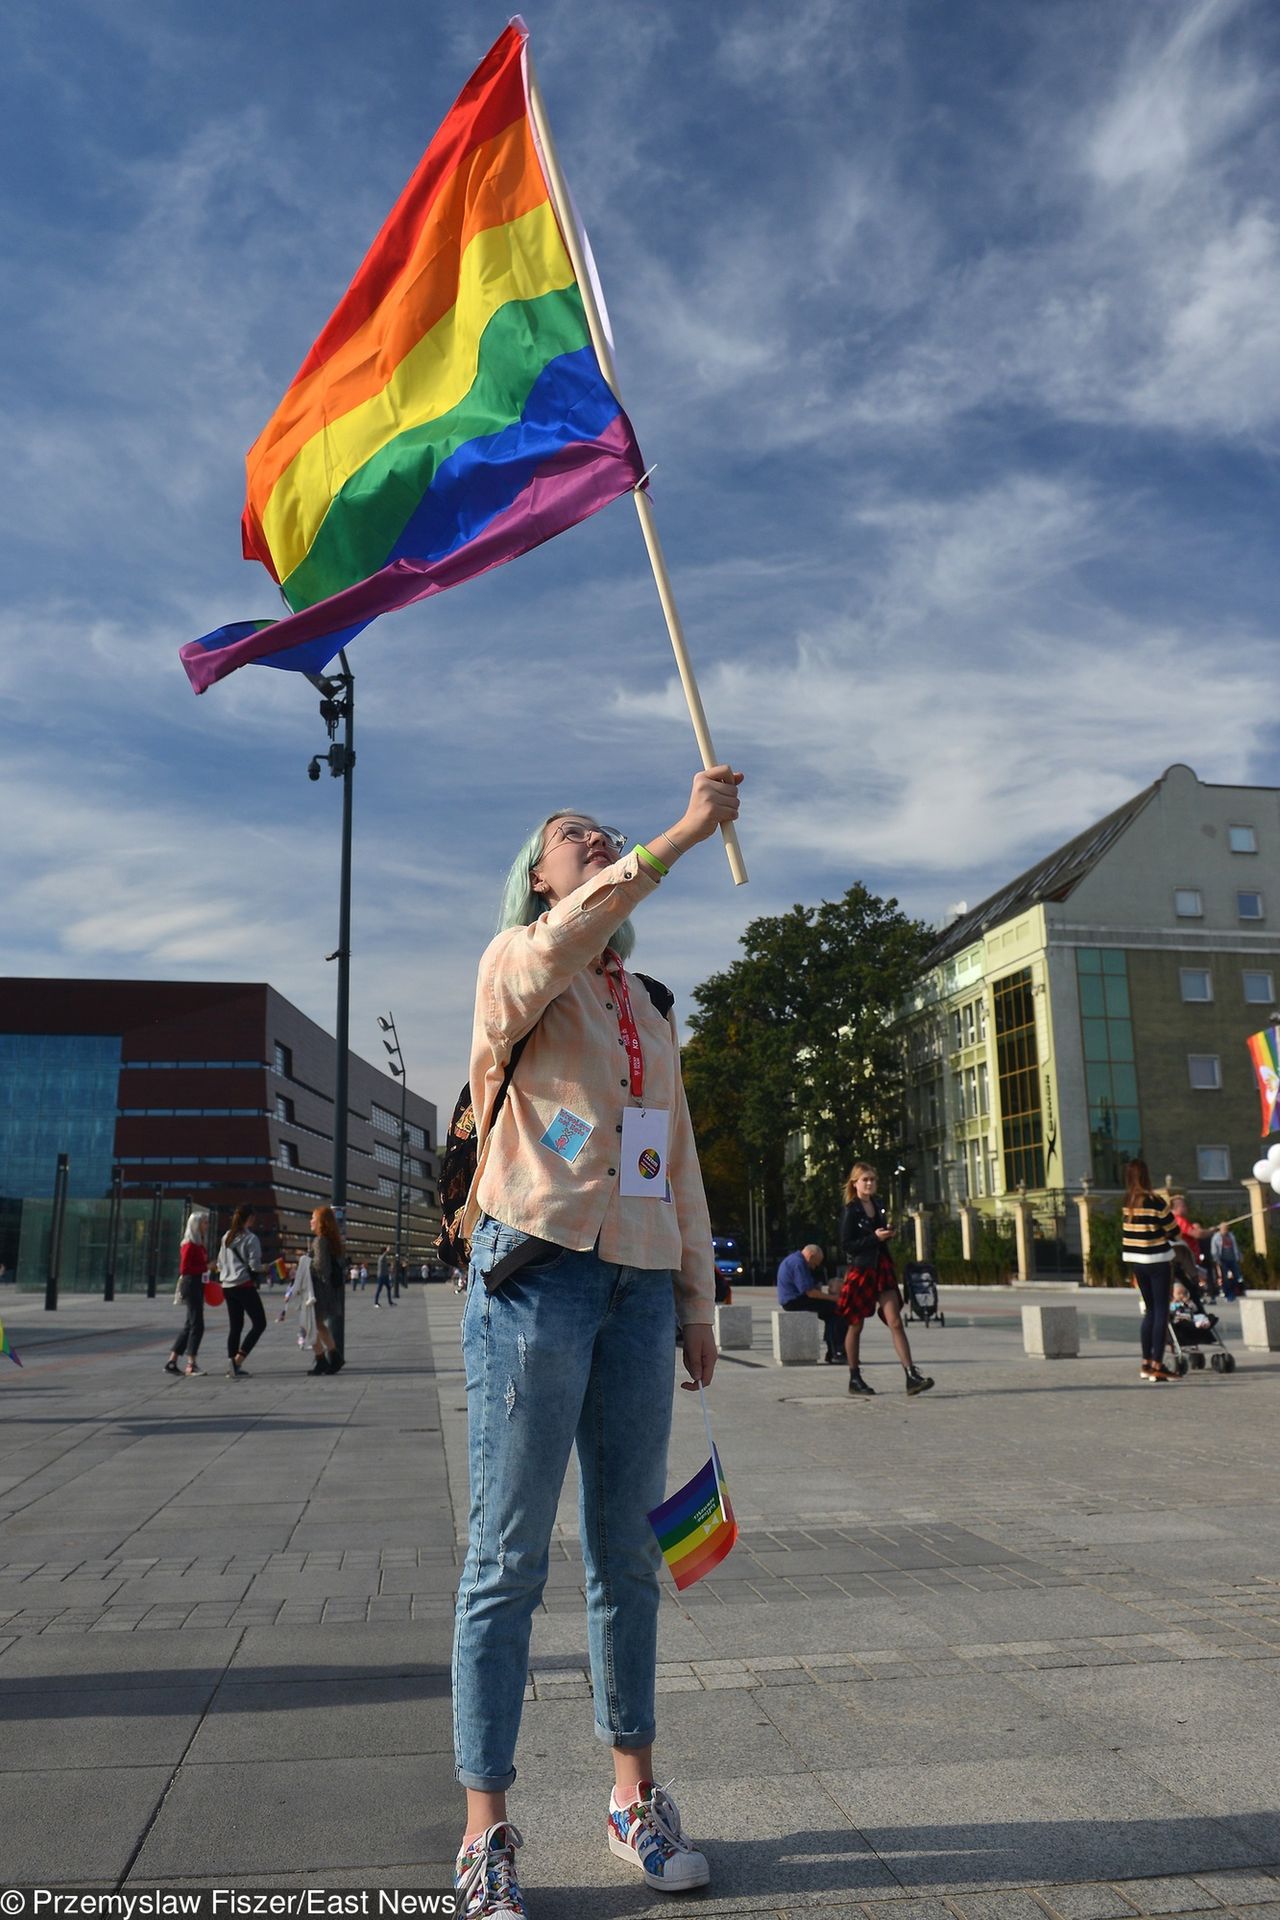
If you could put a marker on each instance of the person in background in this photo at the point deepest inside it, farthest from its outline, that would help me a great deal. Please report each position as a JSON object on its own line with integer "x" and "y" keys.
{"x": 239, "y": 1268}
{"x": 871, "y": 1284}
{"x": 800, "y": 1292}
{"x": 1151, "y": 1232}
{"x": 1224, "y": 1251}
{"x": 193, "y": 1264}
{"x": 384, "y": 1279}
{"x": 326, "y": 1287}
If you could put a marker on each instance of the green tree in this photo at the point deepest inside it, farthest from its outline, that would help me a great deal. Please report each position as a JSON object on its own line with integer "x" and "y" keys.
{"x": 793, "y": 1069}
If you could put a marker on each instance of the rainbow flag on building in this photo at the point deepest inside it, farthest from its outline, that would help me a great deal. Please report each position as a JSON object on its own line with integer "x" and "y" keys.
{"x": 1264, "y": 1051}
{"x": 452, "y": 414}
{"x": 6, "y": 1348}
{"x": 695, "y": 1527}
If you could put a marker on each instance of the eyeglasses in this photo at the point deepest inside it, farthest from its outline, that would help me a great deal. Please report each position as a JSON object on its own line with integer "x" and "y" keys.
{"x": 577, "y": 835}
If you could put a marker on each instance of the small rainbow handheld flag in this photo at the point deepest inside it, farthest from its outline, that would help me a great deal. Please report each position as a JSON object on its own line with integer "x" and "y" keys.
{"x": 695, "y": 1526}
{"x": 1264, "y": 1051}
{"x": 452, "y": 414}
{"x": 281, "y": 1268}
{"x": 6, "y": 1348}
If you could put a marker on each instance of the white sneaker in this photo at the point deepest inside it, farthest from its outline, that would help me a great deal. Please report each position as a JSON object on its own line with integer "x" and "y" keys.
{"x": 649, "y": 1834}
{"x": 484, "y": 1875}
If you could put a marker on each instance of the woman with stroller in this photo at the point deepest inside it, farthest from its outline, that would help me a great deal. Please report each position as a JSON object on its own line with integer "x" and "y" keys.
{"x": 1150, "y": 1236}
{"x": 193, "y": 1264}
{"x": 871, "y": 1284}
{"x": 590, "y": 1241}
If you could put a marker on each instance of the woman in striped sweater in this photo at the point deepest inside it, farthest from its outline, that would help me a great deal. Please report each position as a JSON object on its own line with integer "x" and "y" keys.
{"x": 1150, "y": 1235}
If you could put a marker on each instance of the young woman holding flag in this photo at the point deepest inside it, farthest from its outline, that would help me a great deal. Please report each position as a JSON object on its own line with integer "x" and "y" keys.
{"x": 590, "y": 1242}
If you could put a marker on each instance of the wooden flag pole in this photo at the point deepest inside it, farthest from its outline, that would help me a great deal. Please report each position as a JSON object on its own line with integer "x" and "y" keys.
{"x": 644, "y": 507}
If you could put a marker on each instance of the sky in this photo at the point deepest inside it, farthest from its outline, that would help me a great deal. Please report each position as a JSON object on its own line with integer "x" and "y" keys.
{"x": 949, "y": 331}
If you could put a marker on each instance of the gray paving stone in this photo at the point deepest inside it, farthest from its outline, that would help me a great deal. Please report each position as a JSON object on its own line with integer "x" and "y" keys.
{"x": 1087, "y": 1902}
{"x": 1008, "y": 1905}
{"x": 326, "y": 1719}
{"x": 386, "y": 1811}
{"x": 1178, "y": 1895}
{"x": 1241, "y": 1889}
{"x": 63, "y": 1830}
{"x": 71, "y": 1728}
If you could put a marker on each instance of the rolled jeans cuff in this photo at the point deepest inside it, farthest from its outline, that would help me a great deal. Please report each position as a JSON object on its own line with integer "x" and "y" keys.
{"x": 484, "y": 1782}
{"x": 627, "y": 1742}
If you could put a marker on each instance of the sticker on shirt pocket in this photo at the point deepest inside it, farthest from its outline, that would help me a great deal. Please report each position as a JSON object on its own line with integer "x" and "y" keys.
{"x": 567, "y": 1135}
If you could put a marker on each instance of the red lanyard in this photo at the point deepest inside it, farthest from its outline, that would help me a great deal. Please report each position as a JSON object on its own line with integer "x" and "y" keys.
{"x": 626, "y": 1021}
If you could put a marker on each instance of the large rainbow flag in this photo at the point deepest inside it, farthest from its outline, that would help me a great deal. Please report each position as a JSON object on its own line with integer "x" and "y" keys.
{"x": 1264, "y": 1051}
{"x": 696, "y": 1527}
{"x": 452, "y": 414}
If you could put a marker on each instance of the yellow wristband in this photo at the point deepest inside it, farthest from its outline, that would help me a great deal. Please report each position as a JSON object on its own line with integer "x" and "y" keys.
{"x": 651, "y": 860}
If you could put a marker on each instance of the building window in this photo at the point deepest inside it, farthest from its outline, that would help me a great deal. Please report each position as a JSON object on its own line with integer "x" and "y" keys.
{"x": 983, "y": 1096}
{"x": 282, "y": 1060}
{"x": 389, "y": 1156}
{"x": 284, "y": 1108}
{"x": 380, "y": 1117}
{"x": 1249, "y": 906}
{"x": 1111, "y": 1078}
{"x": 287, "y": 1155}
{"x": 1187, "y": 903}
{"x": 1197, "y": 983}
{"x": 1242, "y": 839}
{"x": 1018, "y": 1069}
{"x": 418, "y": 1136}
{"x": 1259, "y": 989}
{"x": 970, "y": 1024}
{"x": 1213, "y": 1163}
{"x": 1205, "y": 1069}
{"x": 957, "y": 1030}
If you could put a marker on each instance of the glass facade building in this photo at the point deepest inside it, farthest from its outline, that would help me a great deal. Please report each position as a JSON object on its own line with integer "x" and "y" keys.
{"x": 58, "y": 1094}
{"x": 1111, "y": 1075}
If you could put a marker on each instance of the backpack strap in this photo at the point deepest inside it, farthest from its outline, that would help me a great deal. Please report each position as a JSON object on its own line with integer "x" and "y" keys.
{"x": 661, "y": 996}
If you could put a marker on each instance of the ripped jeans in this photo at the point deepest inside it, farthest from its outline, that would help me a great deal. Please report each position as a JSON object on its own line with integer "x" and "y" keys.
{"x": 571, "y": 1350}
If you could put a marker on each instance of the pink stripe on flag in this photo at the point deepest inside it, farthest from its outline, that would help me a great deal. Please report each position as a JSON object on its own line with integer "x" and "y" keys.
{"x": 576, "y": 482}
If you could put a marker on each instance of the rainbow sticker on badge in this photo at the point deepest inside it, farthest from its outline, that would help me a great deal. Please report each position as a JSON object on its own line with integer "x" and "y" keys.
{"x": 644, "y": 1153}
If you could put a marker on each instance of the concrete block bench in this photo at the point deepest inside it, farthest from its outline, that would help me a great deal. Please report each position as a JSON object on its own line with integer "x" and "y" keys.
{"x": 1050, "y": 1333}
{"x": 797, "y": 1338}
{"x": 1260, "y": 1322}
{"x": 733, "y": 1328}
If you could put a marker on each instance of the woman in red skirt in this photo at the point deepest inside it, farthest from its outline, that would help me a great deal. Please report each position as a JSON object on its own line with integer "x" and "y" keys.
{"x": 871, "y": 1284}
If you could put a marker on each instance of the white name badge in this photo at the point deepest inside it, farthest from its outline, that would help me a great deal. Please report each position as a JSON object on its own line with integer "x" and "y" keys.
{"x": 567, "y": 1135}
{"x": 644, "y": 1153}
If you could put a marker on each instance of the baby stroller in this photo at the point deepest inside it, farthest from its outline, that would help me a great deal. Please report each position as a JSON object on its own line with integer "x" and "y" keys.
{"x": 920, "y": 1282}
{"x": 1193, "y": 1333}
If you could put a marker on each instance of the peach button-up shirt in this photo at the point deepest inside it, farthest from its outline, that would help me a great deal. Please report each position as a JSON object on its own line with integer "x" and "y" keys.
{"x": 548, "y": 980}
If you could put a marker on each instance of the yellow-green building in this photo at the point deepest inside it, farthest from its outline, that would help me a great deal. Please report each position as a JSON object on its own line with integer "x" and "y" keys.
{"x": 1098, "y": 1006}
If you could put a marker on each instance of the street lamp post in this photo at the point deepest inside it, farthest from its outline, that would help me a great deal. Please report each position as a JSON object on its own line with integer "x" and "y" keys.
{"x": 337, "y": 708}
{"x": 396, "y": 1064}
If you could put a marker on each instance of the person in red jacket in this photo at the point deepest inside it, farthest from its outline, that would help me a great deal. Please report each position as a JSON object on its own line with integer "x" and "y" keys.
{"x": 193, "y": 1264}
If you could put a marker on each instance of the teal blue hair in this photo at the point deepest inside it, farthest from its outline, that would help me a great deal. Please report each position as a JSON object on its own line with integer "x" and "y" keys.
{"x": 521, "y": 906}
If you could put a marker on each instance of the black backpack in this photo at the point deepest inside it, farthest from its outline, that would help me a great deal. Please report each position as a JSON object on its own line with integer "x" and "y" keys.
{"x": 458, "y": 1164}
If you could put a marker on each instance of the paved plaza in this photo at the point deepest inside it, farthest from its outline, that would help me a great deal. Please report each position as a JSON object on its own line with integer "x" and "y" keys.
{"x": 1008, "y": 1650}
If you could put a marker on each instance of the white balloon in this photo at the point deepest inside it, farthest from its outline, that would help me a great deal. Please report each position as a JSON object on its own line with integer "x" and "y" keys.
{"x": 1273, "y": 1154}
{"x": 1262, "y": 1169}
{"x": 1275, "y": 1181}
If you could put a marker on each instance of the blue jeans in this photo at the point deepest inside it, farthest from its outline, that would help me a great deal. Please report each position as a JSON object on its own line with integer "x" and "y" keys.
{"x": 571, "y": 1350}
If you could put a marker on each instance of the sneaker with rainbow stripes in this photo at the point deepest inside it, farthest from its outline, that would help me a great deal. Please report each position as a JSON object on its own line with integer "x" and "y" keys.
{"x": 648, "y": 1833}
